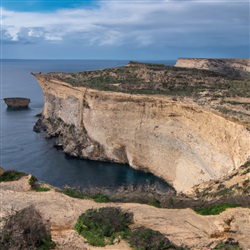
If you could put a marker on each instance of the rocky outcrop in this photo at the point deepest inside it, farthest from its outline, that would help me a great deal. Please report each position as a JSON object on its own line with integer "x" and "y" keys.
{"x": 219, "y": 65}
{"x": 177, "y": 141}
{"x": 183, "y": 227}
{"x": 17, "y": 102}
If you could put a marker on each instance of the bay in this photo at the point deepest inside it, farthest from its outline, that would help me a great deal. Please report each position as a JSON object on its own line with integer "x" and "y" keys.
{"x": 24, "y": 150}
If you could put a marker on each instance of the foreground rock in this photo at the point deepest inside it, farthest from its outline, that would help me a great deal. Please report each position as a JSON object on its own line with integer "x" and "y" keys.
{"x": 17, "y": 102}
{"x": 182, "y": 227}
{"x": 174, "y": 138}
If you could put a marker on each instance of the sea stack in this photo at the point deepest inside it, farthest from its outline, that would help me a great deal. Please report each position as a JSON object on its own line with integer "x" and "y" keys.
{"x": 17, "y": 102}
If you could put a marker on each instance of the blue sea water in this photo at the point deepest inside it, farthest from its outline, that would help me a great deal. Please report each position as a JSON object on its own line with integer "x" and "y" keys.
{"x": 24, "y": 150}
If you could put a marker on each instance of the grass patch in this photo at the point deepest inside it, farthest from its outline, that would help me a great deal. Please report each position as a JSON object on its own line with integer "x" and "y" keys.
{"x": 42, "y": 189}
{"x": 215, "y": 209}
{"x": 11, "y": 175}
{"x": 103, "y": 226}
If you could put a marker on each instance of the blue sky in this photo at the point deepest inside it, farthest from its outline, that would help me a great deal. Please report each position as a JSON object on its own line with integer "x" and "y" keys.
{"x": 124, "y": 29}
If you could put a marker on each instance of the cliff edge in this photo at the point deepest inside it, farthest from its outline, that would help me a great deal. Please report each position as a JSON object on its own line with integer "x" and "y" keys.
{"x": 172, "y": 137}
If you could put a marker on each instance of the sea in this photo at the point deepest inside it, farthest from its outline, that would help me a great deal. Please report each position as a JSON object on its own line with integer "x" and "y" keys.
{"x": 24, "y": 150}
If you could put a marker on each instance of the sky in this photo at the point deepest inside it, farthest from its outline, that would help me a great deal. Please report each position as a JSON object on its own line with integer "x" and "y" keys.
{"x": 124, "y": 29}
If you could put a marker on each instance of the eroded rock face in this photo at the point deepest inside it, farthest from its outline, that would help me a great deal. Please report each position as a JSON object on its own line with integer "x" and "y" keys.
{"x": 180, "y": 142}
{"x": 219, "y": 65}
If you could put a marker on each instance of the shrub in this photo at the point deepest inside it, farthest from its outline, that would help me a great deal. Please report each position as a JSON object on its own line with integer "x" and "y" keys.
{"x": 145, "y": 238}
{"x": 155, "y": 202}
{"x": 11, "y": 175}
{"x": 101, "y": 198}
{"x": 72, "y": 192}
{"x": 215, "y": 209}
{"x": 33, "y": 181}
{"x": 227, "y": 246}
{"x": 103, "y": 226}
{"x": 26, "y": 230}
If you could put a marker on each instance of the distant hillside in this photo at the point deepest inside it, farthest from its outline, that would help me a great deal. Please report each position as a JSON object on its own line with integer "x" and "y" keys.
{"x": 232, "y": 65}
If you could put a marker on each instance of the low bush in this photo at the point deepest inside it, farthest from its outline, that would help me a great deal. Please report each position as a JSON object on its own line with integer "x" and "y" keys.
{"x": 101, "y": 198}
{"x": 227, "y": 246}
{"x": 71, "y": 192}
{"x": 147, "y": 239}
{"x": 154, "y": 202}
{"x": 26, "y": 230}
{"x": 11, "y": 175}
{"x": 215, "y": 209}
{"x": 103, "y": 226}
{"x": 33, "y": 181}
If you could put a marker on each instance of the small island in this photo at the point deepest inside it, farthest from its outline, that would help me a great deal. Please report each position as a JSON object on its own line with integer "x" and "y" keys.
{"x": 17, "y": 102}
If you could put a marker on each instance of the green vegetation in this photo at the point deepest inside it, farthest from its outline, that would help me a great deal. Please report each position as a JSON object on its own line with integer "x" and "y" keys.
{"x": 101, "y": 198}
{"x": 226, "y": 246}
{"x": 47, "y": 243}
{"x": 103, "y": 226}
{"x": 215, "y": 209}
{"x": 32, "y": 180}
{"x": 109, "y": 224}
{"x": 145, "y": 238}
{"x": 26, "y": 230}
{"x": 71, "y": 128}
{"x": 42, "y": 189}
{"x": 11, "y": 175}
{"x": 154, "y": 202}
{"x": 71, "y": 192}
{"x": 35, "y": 185}
{"x": 51, "y": 120}
{"x": 246, "y": 165}
{"x": 145, "y": 78}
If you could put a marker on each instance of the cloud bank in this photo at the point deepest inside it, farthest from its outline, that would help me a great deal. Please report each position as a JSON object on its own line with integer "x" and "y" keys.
{"x": 138, "y": 25}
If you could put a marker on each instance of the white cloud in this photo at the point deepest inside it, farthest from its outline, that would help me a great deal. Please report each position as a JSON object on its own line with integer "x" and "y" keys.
{"x": 146, "y": 23}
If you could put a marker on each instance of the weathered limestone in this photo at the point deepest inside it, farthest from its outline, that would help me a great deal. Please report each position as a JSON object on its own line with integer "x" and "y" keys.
{"x": 180, "y": 142}
{"x": 220, "y": 65}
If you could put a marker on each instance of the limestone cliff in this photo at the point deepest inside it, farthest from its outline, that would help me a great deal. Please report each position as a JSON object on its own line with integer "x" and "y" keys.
{"x": 178, "y": 141}
{"x": 221, "y": 65}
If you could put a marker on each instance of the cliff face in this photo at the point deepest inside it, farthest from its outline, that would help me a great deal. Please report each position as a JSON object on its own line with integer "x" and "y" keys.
{"x": 179, "y": 142}
{"x": 220, "y": 65}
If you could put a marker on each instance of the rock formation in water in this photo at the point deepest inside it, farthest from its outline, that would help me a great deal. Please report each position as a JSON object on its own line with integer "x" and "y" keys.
{"x": 17, "y": 102}
{"x": 151, "y": 117}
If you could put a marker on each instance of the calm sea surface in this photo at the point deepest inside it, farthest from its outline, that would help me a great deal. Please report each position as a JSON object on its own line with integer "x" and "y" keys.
{"x": 24, "y": 150}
